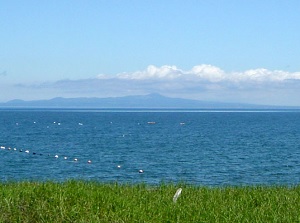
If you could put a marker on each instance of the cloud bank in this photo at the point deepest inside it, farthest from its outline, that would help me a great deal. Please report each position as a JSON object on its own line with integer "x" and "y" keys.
{"x": 207, "y": 73}
{"x": 203, "y": 82}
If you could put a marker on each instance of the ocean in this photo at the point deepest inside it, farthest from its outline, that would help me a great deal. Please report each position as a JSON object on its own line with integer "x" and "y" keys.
{"x": 198, "y": 147}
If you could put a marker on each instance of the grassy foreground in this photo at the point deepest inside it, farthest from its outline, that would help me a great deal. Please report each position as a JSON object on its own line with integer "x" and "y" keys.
{"x": 80, "y": 201}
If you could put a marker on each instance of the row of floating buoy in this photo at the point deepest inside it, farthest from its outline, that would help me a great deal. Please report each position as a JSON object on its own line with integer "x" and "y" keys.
{"x": 55, "y": 156}
{"x": 56, "y": 123}
{"x": 34, "y": 153}
{"x": 81, "y": 124}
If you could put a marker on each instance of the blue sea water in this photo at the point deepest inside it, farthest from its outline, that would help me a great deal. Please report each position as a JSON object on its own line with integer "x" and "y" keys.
{"x": 212, "y": 148}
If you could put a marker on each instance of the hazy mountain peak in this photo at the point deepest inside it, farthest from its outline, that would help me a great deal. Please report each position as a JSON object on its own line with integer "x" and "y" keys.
{"x": 153, "y": 100}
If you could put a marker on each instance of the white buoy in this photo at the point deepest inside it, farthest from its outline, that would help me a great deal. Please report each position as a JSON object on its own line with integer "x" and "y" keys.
{"x": 75, "y": 159}
{"x": 65, "y": 157}
{"x": 89, "y": 161}
{"x": 119, "y": 166}
{"x": 26, "y": 151}
{"x": 141, "y": 171}
{"x": 56, "y": 156}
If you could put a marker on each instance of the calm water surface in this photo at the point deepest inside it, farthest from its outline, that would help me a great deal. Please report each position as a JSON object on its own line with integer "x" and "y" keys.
{"x": 201, "y": 148}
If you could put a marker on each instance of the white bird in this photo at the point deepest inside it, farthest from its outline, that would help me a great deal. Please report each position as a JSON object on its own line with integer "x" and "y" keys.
{"x": 177, "y": 194}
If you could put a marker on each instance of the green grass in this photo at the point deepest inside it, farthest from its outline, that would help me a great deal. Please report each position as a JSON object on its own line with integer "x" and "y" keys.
{"x": 80, "y": 201}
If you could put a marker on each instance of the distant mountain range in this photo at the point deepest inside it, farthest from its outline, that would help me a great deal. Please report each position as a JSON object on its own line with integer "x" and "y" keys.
{"x": 139, "y": 101}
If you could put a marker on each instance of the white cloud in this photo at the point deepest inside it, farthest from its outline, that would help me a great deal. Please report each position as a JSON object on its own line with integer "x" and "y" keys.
{"x": 203, "y": 82}
{"x": 206, "y": 73}
{"x": 153, "y": 72}
{"x": 264, "y": 75}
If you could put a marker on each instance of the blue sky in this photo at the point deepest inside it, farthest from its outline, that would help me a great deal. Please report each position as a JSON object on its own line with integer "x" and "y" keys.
{"x": 219, "y": 50}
